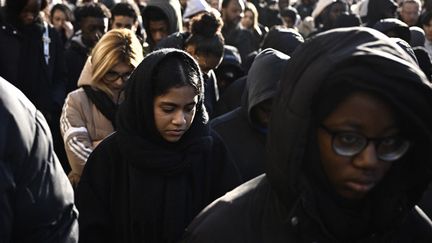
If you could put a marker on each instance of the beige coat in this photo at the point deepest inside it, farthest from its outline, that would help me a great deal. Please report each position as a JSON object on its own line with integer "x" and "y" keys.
{"x": 82, "y": 126}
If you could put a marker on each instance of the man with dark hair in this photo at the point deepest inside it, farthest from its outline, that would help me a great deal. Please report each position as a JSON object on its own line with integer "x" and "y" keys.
{"x": 123, "y": 15}
{"x": 161, "y": 18}
{"x": 234, "y": 34}
{"x": 92, "y": 19}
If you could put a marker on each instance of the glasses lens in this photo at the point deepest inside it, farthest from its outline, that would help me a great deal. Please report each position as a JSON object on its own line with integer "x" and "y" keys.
{"x": 348, "y": 144}
{"x": 391, "y": 149}
{"x": 111, "y": 76}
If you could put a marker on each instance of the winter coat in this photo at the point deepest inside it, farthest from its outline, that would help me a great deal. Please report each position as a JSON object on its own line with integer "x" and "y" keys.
{"x": 36, "y": 199}
{"x": 239, "y": 37}
{"x": 172, "y": 10}
{"x": 294, "y": 202}
{"x": 247, "y": 147}
{"x": 137, "y": 187}
{"x": 76, "y": 55}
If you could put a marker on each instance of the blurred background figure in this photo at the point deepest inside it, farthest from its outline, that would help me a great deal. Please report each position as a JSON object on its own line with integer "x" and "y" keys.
{"x": 250, "y": 22}
{"x": 161, "y": 18}
{"x": 91, "y": 24}
{"x": 32, "y": 59}
{"x": 61, "y": 18}
{"x": 409, "y": 12}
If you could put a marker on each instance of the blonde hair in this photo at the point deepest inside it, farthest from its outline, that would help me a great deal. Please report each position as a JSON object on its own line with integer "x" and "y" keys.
{"x": 116, "y": 46}
{"x": 251, "y": 7}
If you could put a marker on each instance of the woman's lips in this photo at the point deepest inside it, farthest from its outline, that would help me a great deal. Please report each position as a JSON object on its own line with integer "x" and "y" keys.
{"x": 360, "y": 186}
{"x": 175, "y": 133}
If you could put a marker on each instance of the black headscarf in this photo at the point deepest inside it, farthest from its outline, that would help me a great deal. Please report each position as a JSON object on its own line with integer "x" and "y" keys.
{"x": 135, "y": 118}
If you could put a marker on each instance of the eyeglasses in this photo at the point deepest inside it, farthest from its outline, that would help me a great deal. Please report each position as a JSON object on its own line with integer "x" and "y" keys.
{"x": 112, "y": 76}
{"x": 350, "y": 144}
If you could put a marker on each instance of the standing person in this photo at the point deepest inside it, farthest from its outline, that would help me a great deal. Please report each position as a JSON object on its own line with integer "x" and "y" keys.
{"x": 148, "y": 180}
{"x": 235, "y": 35}
{"x": 161, "y": 18}
{"x": 348, "y": 151}
{"x": 61, "y": 18}
{"x": 250, "y": 22}
{"x": 426, "y": 22}
{"x": 32, "y": 59}
{"x": 89, "y": 112}
{"x": 92, "y": 20}
{"x": 249, "y": 122}
{"x": 36, "y": 199}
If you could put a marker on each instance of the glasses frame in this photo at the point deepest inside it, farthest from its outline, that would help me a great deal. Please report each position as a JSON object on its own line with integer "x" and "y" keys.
{"x": 376, "y": 141}
{"x": 123, "y": 76}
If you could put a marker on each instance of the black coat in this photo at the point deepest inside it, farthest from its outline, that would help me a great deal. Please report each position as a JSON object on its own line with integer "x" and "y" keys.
{"x": 22, "y": 63}
{"x": 36, "y": 198}
{"x": 247, "y": 147}
{"x": 241, "y": 38}
{"x": 294, "y": 201}
{"x": 138, "y": 188}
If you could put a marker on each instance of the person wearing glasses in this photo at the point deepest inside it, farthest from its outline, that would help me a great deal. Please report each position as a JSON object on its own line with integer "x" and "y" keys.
{"x": 348, "y": 151}
{"x": 88, "y": 115}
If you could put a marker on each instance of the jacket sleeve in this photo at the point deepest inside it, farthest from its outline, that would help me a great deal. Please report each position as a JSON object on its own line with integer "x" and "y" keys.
{"x": 76, "y": 138}
{"x": 36, "y": 199}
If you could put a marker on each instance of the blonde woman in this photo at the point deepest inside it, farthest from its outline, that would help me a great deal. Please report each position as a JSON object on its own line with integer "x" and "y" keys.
{"x": 88, "y": 115}
{"x": 250, "y": 22}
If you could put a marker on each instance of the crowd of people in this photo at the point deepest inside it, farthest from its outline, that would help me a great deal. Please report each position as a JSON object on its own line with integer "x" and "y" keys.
{"x": 215, "y": 121}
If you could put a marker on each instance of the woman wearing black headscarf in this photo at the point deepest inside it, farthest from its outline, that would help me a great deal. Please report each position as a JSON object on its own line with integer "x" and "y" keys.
{"x": 147, "y": 181}
{"x": 348, "y": 151}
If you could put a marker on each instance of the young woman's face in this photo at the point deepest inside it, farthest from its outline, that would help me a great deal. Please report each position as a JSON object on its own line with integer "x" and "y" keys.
{"x": 354, "y": 176}
{"x": 58, "y": 19}
{"x": 248, "y": 19}
{"x": 205, "y": 62}
{"x": 428, "y": 30}
{"x": 174, "y": 112}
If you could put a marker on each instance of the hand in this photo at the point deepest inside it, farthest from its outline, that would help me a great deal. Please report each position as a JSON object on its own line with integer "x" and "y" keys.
{"x": 68, "y": 28}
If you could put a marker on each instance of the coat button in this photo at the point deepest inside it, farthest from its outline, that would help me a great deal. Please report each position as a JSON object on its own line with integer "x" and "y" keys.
{"x": 294, "y": 221}
{"x": 14, "y": 32}
{"x": 3, "y": 27}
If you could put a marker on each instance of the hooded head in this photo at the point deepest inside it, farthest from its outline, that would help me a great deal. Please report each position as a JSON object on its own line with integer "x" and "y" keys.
{"x": 323, "y": 72}
{"x": 261, "y": 85}
{"x": 282, "y": 39}
{"x": 160, "y": 72}
{"x": 23, "y": 12}
{"x": 167, "y": 15}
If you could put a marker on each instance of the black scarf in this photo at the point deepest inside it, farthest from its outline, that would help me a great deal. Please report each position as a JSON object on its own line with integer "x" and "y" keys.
{"x": 103, "y": 102}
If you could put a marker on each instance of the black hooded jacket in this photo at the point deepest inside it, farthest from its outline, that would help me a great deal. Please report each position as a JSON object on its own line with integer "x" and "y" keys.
{"x": 137, "y": 187}
{"x": 36, "y": 198}
{"x": 247, "y": 147}
{"x": 294, "y": 201}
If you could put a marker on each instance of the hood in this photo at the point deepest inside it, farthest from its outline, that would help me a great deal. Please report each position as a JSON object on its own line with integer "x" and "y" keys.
{"x": 195, "y": 6}
{"x": 394, "y": 28}
{"x": 417, "y": 36}
{"x": 282, "y": 39}
{"x": 135, "y": 115}
{"x": 380, "y": 9}
{"x": 263, "y": 78}
{"x": 172, "y": 10}
{"x": 305, "y": 78}
{"x": 85, "y": 77}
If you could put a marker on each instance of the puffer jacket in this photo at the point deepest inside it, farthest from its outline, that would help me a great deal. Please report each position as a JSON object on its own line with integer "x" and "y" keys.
{"x": 36, "y": 199}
